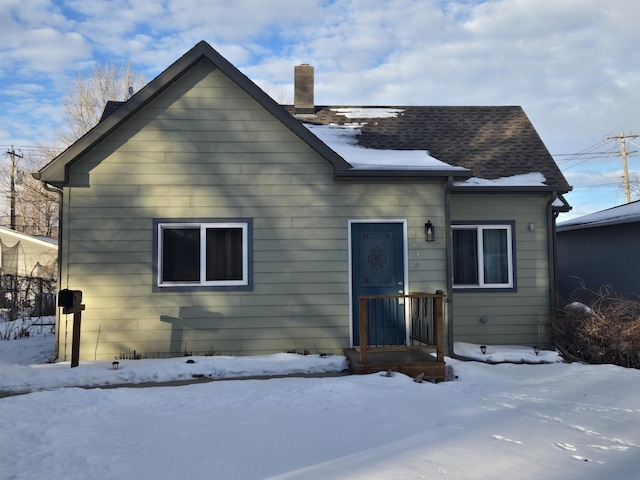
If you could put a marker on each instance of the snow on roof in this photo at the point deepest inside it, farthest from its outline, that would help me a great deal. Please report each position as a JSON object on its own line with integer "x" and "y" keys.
{"x": 626, "y": 213}
{"x": 368, "y": 112}
{"x": 342, "y": 140}
{"x": 533, "y": 179}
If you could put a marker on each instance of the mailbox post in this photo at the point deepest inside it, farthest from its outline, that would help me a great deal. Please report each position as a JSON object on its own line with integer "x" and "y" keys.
{"x": 71, "y": 302}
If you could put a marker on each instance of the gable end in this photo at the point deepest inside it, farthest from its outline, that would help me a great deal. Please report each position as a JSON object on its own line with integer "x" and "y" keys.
{"x": 56, "y": 173}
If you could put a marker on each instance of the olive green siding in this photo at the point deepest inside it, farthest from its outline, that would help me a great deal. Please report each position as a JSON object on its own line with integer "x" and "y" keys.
{"x": 512, "y": 317}
{"x": 205, "y": 149}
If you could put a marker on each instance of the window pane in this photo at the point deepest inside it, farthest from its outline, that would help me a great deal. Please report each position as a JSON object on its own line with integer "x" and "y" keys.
{"x": 495, "y": 255}
{"x": 224, "y": 254}
{"x": 181, "y": 255}
{"x": 465, "y": 257}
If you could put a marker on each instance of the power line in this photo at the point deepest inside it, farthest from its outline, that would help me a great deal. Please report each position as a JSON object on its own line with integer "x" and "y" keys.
{"x": 33, "y": 150}
{"x": 584, "y": 156}
{"x": 601, "y": 185}
{"x": 594, "y": 194}
{"x": 579, "y": 154}
{"x": 21, "y": 147}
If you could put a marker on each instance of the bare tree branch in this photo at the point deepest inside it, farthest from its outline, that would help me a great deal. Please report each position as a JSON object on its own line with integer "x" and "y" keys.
{"x": 37, "y": 208}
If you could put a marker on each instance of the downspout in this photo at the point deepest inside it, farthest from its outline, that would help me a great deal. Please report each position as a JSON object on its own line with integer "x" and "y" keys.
{"x": 58, "y": 191}
{"x": 449, "y": 255}
{"x": 551, "y": 248}
{"x": 449, "y": 258}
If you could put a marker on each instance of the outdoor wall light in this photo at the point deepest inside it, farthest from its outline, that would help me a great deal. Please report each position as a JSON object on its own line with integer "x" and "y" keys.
{"x": 429, "y": 230}
{"x": 483, "y": 349}
{"x": 536, "y": 349}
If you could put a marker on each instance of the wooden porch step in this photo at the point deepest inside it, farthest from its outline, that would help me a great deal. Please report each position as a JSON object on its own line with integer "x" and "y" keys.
{"x": 409, "y": 362}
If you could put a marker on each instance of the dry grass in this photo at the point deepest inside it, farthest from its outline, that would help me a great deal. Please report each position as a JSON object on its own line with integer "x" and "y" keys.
{"x": 599, "y": 327}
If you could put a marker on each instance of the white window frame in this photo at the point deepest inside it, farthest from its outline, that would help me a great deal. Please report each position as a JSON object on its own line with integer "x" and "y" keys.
{"x": 204, "y": 226}
{"x": 508, "y": 227}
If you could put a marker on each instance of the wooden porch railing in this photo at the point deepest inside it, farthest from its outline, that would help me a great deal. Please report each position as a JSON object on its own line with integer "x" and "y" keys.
{"x": 423, "y": 312}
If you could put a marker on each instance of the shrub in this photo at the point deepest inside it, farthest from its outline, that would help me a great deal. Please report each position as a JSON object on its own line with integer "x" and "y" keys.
{"x": 599, "y": 327}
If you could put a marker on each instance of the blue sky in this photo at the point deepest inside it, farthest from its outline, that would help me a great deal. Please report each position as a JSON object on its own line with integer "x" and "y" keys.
{"x": 573, "y": 65}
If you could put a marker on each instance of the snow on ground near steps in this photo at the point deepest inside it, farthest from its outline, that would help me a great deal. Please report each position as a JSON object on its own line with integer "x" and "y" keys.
{"x": 505, "y": 353}
{"x": 507, "y": 421}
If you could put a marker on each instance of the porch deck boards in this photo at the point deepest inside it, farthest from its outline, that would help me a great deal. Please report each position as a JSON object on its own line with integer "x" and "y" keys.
{"x": 409, "y": 362}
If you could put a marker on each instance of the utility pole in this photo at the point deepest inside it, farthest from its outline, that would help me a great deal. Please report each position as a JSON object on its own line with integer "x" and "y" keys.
{"x": 12, "y": 174}
{"x": 623, "y": 153}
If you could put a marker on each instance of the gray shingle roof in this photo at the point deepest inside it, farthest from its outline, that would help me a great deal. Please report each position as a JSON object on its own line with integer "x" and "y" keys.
{"x": 109, "y": 108}
{"x": 491, "y": 141}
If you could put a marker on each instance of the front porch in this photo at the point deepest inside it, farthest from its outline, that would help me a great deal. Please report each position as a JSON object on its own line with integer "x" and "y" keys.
{"x": 423, "y": 353}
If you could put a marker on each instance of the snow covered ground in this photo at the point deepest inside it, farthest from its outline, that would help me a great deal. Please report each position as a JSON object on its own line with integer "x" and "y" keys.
{"x": 507, "y": 421}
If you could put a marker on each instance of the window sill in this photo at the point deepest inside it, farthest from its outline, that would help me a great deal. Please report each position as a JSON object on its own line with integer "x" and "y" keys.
{"x": 485, "y": 289}
{"x": 202, "y": 288}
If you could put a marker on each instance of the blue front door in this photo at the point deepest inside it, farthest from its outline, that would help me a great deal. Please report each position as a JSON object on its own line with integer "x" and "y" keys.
{"x": 377, "y": 257}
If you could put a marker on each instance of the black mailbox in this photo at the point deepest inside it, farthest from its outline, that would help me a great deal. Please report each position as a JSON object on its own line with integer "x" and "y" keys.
{"x": 70, "y": 298}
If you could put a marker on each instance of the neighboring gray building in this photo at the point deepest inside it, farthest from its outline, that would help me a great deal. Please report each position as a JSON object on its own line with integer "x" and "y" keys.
{"x": 600, "y": 249}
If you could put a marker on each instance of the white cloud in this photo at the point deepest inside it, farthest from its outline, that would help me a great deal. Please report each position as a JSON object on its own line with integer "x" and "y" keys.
{"x": 46, "y": 50}
{"x": 241, "y": 20}
{"x": 596, "y": 178}
{"x": 37, "y": 38}
{"x": 32, "y": 13}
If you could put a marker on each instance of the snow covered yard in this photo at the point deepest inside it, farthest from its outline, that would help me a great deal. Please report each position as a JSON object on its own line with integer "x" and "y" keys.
{"x": 551, "y": 421}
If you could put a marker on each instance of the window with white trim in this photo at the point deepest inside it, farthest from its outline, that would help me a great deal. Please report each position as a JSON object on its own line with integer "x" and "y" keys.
{"x": 203, "y": 254}
{"x": 483, "y": 256}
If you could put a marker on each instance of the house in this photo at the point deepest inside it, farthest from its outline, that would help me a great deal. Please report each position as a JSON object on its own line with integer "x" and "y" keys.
{"x": 599, "y": 250}
{"x": 201, "y": 216}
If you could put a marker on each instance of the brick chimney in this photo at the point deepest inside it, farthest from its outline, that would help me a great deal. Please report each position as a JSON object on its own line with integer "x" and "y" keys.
{"x": 303, "y": 90}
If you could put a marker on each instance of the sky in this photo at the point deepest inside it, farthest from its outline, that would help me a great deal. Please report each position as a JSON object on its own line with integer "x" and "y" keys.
{"x": 573, "y": 65}
{"x": 548, "y": 421}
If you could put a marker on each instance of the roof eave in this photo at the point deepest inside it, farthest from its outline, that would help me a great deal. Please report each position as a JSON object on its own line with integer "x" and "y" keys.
{"x": 508, "y": 189}
{"x": 382, "y": 175}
